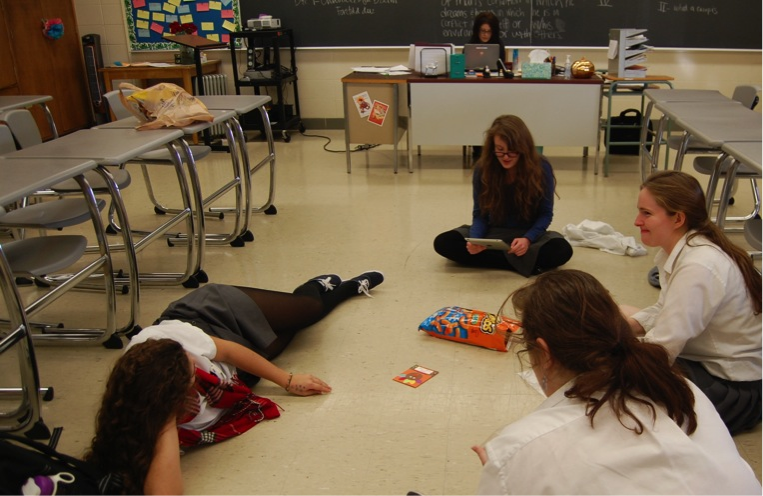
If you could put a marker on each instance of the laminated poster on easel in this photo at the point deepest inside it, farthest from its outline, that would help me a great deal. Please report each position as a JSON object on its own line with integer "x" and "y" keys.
{"x": 363, "y": 104}
{"x": 378, "y": 113}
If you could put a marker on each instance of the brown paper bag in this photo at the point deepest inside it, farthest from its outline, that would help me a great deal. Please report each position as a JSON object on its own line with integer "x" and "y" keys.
{"x": 163, "y": 105}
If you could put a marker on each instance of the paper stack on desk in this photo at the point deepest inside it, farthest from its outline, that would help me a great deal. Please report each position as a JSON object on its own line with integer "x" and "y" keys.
{"x": 627, "y": 53}
{"x": 397, "y": 70}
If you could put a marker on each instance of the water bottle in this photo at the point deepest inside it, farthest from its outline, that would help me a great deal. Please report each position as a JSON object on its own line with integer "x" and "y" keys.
{"x": 567, "y": 68}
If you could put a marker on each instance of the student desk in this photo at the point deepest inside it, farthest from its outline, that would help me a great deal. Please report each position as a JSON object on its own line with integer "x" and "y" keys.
{"x": 243, "y": 104}
{"x": 223, "y": 117}
{"x": 558, "y": 111}
{"x": 650, "y": 159}
{"x": 144, "y": 72}
{"x": 730, "y": 127}
{"x": 15, "y": 169}
{"x": 113, "y": 147}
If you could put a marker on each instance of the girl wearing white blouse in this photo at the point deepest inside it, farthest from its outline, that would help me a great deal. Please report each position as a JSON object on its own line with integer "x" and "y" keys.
{"x": 708, "y": 312}
{"x": 618, "y": 417}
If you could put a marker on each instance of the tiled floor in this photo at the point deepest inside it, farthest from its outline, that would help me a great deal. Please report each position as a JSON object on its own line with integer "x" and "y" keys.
{"x": 370, "y": 435}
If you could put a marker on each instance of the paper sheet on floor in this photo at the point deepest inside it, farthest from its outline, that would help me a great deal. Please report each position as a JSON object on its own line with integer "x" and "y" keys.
{"x": 596, "y": 234}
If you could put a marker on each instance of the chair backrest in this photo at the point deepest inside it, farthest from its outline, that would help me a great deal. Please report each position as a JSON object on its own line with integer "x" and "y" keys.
{"x": 22, "y": 126}
{"x": 747, "y": 95}
{"x": 7, "y": 144}
{"x": 115, "y": 104}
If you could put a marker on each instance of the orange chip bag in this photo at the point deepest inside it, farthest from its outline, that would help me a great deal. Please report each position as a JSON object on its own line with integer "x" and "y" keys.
{"x": 468, "y": 326}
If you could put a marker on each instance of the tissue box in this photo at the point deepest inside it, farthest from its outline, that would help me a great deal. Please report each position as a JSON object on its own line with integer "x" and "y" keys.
{"x": 536, "y": 71}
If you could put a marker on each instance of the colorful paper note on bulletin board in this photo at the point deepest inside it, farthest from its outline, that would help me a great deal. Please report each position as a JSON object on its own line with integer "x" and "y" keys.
{"x": 149, "y": 20}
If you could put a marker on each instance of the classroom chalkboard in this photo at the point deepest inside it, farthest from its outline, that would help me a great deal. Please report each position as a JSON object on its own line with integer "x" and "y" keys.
{"x": 714, "y": 24}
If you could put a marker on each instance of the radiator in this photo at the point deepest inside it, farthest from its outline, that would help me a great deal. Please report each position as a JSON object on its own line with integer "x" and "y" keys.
{"x": 214, "y": 84}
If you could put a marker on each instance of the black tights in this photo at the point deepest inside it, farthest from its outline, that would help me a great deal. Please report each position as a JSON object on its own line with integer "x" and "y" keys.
{"x": 288, "y": 313}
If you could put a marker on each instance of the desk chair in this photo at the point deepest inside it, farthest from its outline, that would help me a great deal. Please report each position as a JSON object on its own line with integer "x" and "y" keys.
{"x": 26, "y": 416}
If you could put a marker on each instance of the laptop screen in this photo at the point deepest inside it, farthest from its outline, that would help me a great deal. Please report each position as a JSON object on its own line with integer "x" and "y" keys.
{"x": 477, "y": 56}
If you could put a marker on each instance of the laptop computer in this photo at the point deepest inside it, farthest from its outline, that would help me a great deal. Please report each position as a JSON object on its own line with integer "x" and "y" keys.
{"x": 478, "y": 55}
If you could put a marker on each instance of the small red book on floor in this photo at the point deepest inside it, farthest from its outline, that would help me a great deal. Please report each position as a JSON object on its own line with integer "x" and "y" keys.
{"x": 415, "y": 376}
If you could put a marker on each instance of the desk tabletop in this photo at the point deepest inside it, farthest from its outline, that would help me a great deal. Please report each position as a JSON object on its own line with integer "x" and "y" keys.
{"x": 10, "y": 102}
{"x": 24, "y": 176}
{"x": 749, "y": 153}
{"x": 645, "y": 79}
{"x": 105, "y": 147}
{"x": 152, "y": 72}
{"x": 722, "y": 126}
{"x": 679, "y": 109}
{"x": 240, "y": 103}
{"x": 133, "y": 122}
{"x": 671, "y": 95}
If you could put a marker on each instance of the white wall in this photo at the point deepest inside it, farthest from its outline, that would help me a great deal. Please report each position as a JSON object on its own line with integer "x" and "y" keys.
{"x": 320, "y": 70}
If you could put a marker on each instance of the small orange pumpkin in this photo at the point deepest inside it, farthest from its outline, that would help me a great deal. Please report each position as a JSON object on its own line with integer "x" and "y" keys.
{"x": 582, "y": 68}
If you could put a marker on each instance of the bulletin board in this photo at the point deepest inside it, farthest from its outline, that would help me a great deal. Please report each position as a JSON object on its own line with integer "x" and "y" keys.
{"x": 149, "y": 20}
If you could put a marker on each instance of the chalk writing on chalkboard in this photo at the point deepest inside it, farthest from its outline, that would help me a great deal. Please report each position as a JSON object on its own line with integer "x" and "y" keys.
{"x": 570, "y": 23}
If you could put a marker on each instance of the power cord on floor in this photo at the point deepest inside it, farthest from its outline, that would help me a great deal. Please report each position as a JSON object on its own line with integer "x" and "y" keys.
{"x": 358, "y": 148}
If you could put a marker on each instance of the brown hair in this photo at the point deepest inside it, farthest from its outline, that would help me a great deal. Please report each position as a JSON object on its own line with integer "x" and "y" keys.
{"x": 495, "y": 26}
{"x": 677, "y": 191}
{"x": 529, "y": 180}
{"x": 146, "y": 388}
{"x": 587, "y": 335}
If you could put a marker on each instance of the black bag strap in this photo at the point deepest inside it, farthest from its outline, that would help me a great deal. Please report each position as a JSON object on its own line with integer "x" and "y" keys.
{"x": 635, "y": 112}
{"x": 46, "y": 450}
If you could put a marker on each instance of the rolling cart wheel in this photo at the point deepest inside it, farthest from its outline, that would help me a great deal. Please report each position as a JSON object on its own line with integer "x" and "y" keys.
{"x": 271, "y": 210}
{"x": 285, "y": 136}
{"x": 248, "y": 236}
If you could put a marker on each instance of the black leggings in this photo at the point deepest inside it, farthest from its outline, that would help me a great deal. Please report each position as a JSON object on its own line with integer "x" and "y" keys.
{"x": 288, "y": 313}
{"x": 452, "y": 245}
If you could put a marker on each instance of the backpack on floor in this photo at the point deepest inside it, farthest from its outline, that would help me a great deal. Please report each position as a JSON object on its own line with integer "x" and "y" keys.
{"x": 30, "y": 467}
{"x": 631, "y": 118}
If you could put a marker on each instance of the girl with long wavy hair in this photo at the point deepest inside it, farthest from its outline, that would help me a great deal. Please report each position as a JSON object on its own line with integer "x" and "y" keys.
{"x": 186, "y": 380}
{"x": 513, "y": 190}
{"x": 708, "y": 313}
{"x": 619, "y": 418}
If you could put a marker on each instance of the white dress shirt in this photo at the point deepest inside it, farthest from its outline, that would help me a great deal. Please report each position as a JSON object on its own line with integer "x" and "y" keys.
{"x": 704, "y": 312}
{"x": 203, "y": 351}
{"x": 554, "y": 450}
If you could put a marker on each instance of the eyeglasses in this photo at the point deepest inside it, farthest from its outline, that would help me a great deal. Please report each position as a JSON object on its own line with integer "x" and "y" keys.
{"x": 486, "y": 31}
{"x": 506, "y": 154}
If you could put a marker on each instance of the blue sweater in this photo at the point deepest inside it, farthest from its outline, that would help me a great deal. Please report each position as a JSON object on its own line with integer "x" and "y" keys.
{"x": 534, "y": 228}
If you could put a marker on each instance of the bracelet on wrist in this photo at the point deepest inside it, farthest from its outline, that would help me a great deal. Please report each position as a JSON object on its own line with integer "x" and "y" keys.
{"x": 288, "y": 382}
